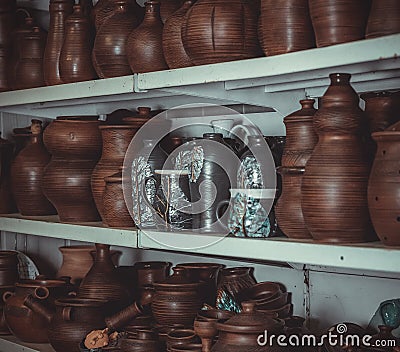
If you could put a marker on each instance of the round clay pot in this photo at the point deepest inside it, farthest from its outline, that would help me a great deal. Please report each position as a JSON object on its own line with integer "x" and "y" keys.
{"x": 285, "y": 26}
{"x": 384, "y": 187}
{"x": 142, "y": 340}
{"x": 334, "y": 184}
{"x": 221, "y": 30}
{"x": 384, "y": 18}
{"x": 144, "y": 45}
{"x": 338, "y": 21}
{"x": 179, "y": 337}
{"x": 147, "y": 273}
{"x": 7, "y": 204}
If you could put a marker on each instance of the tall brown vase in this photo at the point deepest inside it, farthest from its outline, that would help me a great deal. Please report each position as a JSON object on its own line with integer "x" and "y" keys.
{"x": 336, "y": 22}
{"x": 144, "y": 46}
{"x": 76, "y": 53}
{"x": 110, "y": 46}
{"x": 285, "y": 26}
{"x": 334, "y": 186}
{"x": 27, "y": 173}
{"x": 221, "y": 30}
{"x": 174, "y": 51}
{"x": 75, "y": 146}
{"x": 59, "y": 11}
{"x": 384, "y": 18}
{"x": 7, "y": 204}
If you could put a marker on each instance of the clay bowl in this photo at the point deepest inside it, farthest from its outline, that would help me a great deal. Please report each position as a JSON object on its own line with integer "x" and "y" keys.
{"x": 283, "y": 312}
{"x": 261, "y": 291}
{"x": 215, "y": 314}
{"x": 273, "y": 303}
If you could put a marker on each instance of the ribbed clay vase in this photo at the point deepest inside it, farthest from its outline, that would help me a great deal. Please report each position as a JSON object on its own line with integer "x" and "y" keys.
{"x": 110, "y": 46}
{"x": 338, "y": 21}
{"x": 288, "y": 210}
{"x": 221, "y": 30}
{"x": 285, "y": 26}
{"x": 384, "y": 18}
{"x": 144, "y": 46}
{"x": 334, "y": 186}
{"x": 75, "y": 145}
{"x": 301, "y": 137}
{"x": 384, "y": 188}
{"x": 27, "y": 173}
{"x": 76, "y": 53}
{"x": 174, "y": 51}
{"x": 7, "y": 204}
{"x": 116, "y": 139}
{"x": 59, "y": 11}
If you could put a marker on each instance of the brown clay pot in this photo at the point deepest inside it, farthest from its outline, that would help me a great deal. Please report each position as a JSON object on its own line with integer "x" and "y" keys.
{"x": 142, "y": 340}
{"x": 75, "y": 145}
{"x": 7, "y": 22}
{"x": 147, "y": 273}
{"x": 221, "y": 30}
{"x": 180, "y": 337}
{"x": 76, "y": 53}
{"x": 5, "y": 59}
{"x": 110, "y": 49}
{"x": 336, "y": 22}
{"x": 168, "y": 8}
{"x": 177, "y": 299}
{"x": 27, "y": 172}
{"x": 285, "y": 26}
{"x": 115, "y": 212}
{"x": 384, "y": 187}
{"x": 24, "y": 323}
{"x": 334, "y": 185}
{"x": 116, "y": 139}
{"x": 174, "y": 51}
{"x": 288, "y": 210}
{"x": 4, "y": 330}
{"x": 29, "y": 69}
{"x": 301, "y": 137}
{"x": 7, "y": 204}
{"x": 384, "y": 18}
{"x": 8, "y": 268}
{"x": 144, "y": 45}
{"x": 59, "y": 11}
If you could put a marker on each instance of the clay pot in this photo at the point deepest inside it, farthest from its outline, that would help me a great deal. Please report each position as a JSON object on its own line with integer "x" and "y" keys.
{"x": 177, "y": 299}
{"x": 7, "y": 22}
{"x": 110, "y": 49}
{"x": 261, "y": 292}
{"x": 4, "y": 330}
{"x": 75, "y": 144}
{"x": 168, "y": 8}
{"x": 21, "y": 139}
{"x": 174, "y": 51}
{"x": 143, "y": 340}
{"x": 116, "y": 139}
{"x": 147, "y": 273}
{"x": 301, "y": 137}
{"x": 334, "y": 185}
{"x": 59, "y": 11}
{"x": 7, "y": 204}
{"x": 384, "y": 18}
{"x": 221, "y": 30}
{"x": 29, "y": 69}
{"x": 24, "y": 323}
{"x": 338, "y": 22}
{"x": 190, "y": 347}
{"x": 288, "y": 209}
{"x": 76, "y": 53}
{"x": 27, "y": 174}
{"x": 144, "y": 45}
{"x": 207, "y": 272}
{"x": 384, "y": 187}
{"x": 4, "y": 66}
{"x": 180, "y": 337}
{"x": 285, "y": 26}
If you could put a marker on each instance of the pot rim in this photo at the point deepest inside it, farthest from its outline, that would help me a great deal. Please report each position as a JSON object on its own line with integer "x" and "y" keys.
{"x": 42, "y": 282}
{"x": 80, "y": 302}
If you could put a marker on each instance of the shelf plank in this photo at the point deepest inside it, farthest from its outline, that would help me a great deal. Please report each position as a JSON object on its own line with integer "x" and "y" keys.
{"x": 12, "y": 344}
{"x": 354, "y": 256}
{"x": 49, "y": 226}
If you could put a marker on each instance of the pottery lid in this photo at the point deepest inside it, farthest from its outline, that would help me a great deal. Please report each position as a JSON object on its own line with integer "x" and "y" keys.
{"x": 179, "y": 280}
{"x": 250, "y": 321}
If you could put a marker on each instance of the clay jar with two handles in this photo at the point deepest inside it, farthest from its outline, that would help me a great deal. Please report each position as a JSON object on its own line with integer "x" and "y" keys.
{"x": 23, "y": 322}
{"x": 75, "y": 145}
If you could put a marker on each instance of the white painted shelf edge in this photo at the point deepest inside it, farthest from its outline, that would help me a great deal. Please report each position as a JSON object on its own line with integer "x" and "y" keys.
{"x": 12, "y": 344}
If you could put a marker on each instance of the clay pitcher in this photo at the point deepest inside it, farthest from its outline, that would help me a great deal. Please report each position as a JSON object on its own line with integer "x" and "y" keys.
{"x": 7, "y": 204}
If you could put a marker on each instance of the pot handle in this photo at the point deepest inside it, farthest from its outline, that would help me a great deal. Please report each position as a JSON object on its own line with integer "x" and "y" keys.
{"x": 66, "y": 313}
{"x": 41, "y": 292}
{"x": 7, "y": 295}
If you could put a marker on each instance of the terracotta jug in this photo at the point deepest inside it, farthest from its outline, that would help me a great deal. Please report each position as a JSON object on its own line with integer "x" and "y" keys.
{"x": 384, "y": 187}
{"x": 144, "y": 46}
{"x": 384, "y": 18}
{"x": 7, "y": 204}
{"x": 27, "y": 172}
{"x": 301, "y": 137}
{"x": 59, "y": 11}
{"x": 285, "y": 26}
{"x": 25, "y": 323}
{"x": 75, "y": 145}
{"x": 174, "y": 51}
{"x": 29, "y": 69}
{"x": 221, "y": 30}
{"x": 76, "y": 52}
{"x": 116, "y": 139}
{"x": 110, "y": 49}
{"x": 334, "y": 185}
{"x": 288, "y": 208}
{"x": 336, "y": 22}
